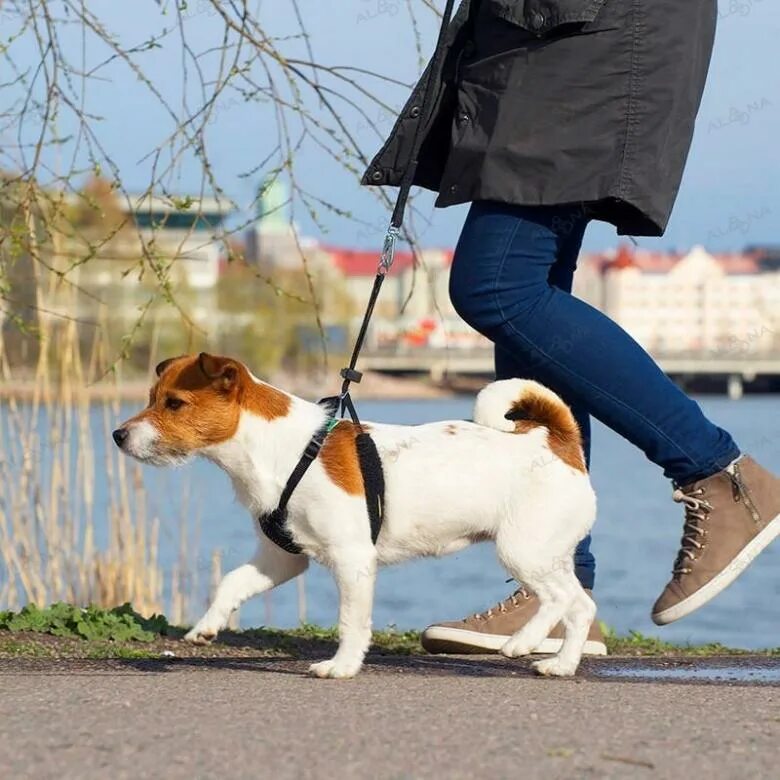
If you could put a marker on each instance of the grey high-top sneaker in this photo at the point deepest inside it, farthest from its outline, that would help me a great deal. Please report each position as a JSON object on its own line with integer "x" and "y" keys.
{"x": 730, "y": 518}
{"x": 489, "y": 631}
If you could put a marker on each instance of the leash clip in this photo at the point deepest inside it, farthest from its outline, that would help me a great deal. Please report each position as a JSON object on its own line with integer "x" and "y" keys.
{"x": 388, "y": 250}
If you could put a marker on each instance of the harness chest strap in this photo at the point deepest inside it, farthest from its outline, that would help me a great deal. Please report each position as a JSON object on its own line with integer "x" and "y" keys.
{"x": 274, "y": 524}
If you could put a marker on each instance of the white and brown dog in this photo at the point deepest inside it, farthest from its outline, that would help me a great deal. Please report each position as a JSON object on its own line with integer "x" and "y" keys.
{"x": 516, "y": 476}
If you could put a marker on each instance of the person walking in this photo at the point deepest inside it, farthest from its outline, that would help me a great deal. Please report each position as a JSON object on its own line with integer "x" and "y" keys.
{"x": 549, "y": 114}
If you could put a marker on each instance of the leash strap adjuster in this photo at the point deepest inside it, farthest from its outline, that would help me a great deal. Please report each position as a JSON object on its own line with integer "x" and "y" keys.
{"x": 351, "y": 374}
{"x": 313, "y": 448}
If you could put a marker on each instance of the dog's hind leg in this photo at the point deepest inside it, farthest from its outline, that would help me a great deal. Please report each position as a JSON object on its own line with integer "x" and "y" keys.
{"x": 576, "y": 623}
{"x": 270, "y": 567}
{"x": 540, "y": 555}
{"x": 550, "y": 581}
{"x": 355, "y": 572}
{"x": 544, "y": 563}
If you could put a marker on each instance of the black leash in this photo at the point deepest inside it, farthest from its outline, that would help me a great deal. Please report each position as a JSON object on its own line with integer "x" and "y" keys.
{"x": 274, "y": 524}
{"x": 350, "y": 373}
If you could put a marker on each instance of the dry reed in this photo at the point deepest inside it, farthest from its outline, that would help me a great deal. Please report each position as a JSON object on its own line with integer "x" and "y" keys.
{"x": 56, "y": 543}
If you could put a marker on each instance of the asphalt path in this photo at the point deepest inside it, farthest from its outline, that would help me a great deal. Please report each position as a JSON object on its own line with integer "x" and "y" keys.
{"x": 415, "y": 717}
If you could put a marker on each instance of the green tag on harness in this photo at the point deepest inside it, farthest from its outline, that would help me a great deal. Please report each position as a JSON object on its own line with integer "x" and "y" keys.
{"x": 332, "y": 423}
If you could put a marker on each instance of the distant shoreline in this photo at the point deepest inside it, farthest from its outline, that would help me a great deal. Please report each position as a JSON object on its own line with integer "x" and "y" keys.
{"x": 374, "y": 387}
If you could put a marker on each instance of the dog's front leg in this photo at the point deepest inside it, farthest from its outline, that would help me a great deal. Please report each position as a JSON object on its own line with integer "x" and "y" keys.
{"x": 270, "y": 567}
{"x": 355, "y": 577}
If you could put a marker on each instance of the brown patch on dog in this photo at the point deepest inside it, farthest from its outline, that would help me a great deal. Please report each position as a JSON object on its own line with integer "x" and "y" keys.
{"x": 256, "y": 397}
{"x": 340, "y": 459}
{"x": 197, "y": 401}
{"x": 265, "y": 400}
{"x": 207, "y": 411}
{"x": 451, "y": 429}
{"x": 533, "y": 410}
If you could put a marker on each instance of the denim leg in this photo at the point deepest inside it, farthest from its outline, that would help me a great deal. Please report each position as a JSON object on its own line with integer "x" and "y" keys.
{"x": 561, "y": 275}
{"x": 500, "y": 286}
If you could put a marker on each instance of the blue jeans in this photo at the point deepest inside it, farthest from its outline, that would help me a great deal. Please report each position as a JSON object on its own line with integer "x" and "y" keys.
{"x": 511, "y": 280}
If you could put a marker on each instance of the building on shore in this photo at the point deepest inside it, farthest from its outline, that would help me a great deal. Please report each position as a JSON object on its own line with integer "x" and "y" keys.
{"x": 677, "y": 303}
{"x": 694, "y": 302}
{"x": 414, "y": 307}
{"x": 184, "y": 229}
{"x": 115, "y": 249}
{"x": 273, "y": 242}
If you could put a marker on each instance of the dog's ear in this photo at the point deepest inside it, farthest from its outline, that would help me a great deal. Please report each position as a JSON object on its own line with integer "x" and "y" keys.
{"x": 165, "y": 363}
{"x": 222, "y": 371}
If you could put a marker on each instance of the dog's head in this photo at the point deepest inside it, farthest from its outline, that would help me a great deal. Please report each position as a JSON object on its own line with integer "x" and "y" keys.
{"x": 195, "y": 404}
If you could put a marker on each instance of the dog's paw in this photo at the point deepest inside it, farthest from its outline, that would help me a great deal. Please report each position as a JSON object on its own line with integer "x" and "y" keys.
{"x": 200, "y": 636}
{"x": 336, "y": 669}
{"x": 554, "y": 667}
{"x": 516, "y": 648}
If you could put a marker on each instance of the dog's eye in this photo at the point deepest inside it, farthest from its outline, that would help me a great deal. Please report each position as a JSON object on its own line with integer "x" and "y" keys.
{"x": 173, "y": 403}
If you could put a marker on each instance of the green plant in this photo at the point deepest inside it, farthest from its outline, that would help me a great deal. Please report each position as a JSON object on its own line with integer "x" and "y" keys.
{"x": 120, "y": 624}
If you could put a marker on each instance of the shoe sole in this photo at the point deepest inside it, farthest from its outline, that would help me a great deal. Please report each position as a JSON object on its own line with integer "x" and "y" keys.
{"x": 460, "y": 641}
{"x": 723, "y": 579}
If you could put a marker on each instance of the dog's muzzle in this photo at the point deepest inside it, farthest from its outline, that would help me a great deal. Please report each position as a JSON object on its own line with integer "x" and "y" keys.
{"x": 120, "y": 436}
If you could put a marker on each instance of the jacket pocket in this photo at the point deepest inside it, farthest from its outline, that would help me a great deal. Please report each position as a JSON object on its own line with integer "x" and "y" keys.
{"x": 542, "y": 16}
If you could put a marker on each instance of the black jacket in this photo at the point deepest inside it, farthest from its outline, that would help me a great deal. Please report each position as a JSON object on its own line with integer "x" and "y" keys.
{"x": 545, "y": 102}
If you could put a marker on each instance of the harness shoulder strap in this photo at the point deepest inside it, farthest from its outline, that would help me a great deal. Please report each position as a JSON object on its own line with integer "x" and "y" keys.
{"x": 274, "y": 524}
{"x": 373, "y": 481}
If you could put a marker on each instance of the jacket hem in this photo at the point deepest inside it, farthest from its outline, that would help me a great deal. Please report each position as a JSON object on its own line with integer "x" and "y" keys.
{"x": 628, "y": 217}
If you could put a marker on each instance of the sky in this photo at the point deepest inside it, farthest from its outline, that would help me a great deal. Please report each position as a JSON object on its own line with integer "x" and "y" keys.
{"x": 730, "y": 191}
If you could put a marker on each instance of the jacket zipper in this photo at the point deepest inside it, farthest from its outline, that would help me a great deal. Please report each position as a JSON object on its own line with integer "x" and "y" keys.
{"x": 740, "y": 490}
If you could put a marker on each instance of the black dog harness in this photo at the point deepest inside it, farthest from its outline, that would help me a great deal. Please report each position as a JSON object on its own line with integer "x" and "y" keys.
{"x": 274, "y": 524}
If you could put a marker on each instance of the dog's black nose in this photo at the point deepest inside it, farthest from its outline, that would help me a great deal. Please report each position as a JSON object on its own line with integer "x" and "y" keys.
{"x": 120, "y": 436}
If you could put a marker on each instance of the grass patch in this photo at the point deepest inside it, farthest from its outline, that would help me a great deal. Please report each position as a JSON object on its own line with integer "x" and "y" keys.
{"x": 292, "y": 640}
{"x": 66, "y": 631}
{"x": 638, "y": 644}
{"x": 23, "y": 648}
{"x": 105, "y": 650}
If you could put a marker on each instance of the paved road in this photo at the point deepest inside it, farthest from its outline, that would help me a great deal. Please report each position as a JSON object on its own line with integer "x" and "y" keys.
{"x": 403, "y": 718}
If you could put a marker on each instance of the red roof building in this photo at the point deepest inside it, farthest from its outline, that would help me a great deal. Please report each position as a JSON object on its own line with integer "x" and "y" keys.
{"x": 359, "y": 262}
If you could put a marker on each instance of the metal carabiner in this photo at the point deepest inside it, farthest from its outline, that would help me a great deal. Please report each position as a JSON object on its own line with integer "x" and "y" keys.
{"x": 388, "y": 250}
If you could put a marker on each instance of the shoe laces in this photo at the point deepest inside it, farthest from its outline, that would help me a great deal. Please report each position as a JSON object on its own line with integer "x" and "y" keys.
{"x": 694, "y": 532}
{"x": 505, "y": 605}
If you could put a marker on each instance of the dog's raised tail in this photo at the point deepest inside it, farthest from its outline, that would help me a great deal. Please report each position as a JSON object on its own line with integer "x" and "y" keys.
{"x": 520, "y": 405}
